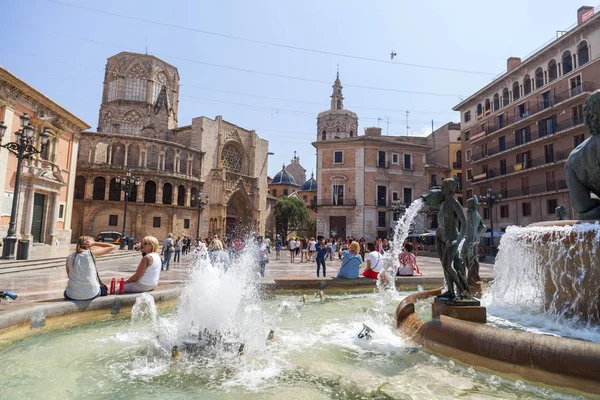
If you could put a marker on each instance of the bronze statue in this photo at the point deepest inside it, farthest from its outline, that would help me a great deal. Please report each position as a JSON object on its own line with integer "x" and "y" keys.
{"x": 449, "y": 235}
{"x": 561, "y": 212}
{"x": 470, "y": 253}
{"x": 583, "y": 164}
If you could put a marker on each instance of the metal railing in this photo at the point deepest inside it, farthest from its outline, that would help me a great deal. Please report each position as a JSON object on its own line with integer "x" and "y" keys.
{"x": 536, "y": 189}
{"x": 561, "y": 126}
{"x": 536, "y": 105}
{"x": 328, "y": 202}
{"x": 457, "y": 165}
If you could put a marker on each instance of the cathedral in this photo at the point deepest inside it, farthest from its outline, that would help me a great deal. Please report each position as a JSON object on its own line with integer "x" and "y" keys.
{"x": 209, "y": 177}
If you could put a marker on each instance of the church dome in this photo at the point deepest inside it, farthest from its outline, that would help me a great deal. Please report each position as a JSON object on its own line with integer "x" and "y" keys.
{"x": 310, "y": 185}
{"x": 283, "y": 178}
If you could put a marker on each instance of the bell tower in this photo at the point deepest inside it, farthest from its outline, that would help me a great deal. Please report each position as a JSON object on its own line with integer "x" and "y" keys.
{"x": 337, "y": 122}
{"x": 337, "y": 99}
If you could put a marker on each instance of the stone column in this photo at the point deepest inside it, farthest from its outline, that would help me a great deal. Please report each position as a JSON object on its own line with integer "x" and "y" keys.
{"x": 106, "y": 187}
{"x": 27, "y": 214}
{"x": 174, "y": 194}
{"x": 89, "y": 188}
{"x": 52, "y": 218}
{"x": 125, "y": 156}
{"x": 109, "y": 153}
{"x": 140, "y": 192}
{"x": 159, "y": 192}
{"x": 188, "y": 197}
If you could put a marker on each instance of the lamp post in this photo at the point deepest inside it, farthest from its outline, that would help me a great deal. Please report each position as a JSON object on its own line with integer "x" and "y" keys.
{"x": 126, "y": 183}
{"x": 22, "y": 148}
{"x": 490, "y": 199}
{"x": 200, "y": 203}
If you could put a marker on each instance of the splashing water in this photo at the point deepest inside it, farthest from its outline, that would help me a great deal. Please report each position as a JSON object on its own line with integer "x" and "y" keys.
{"x": 548, "y": 277}
{"x": 386, "y": 278}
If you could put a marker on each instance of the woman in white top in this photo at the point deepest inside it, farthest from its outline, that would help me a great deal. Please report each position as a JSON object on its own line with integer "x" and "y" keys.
{"x": 81, "y": 269}
{"x": 148, "y": 271}
{"x": 374, "y": 262}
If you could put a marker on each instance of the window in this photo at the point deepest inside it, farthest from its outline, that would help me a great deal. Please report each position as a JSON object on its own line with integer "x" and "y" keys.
{"x": 467, "y": 135}
{"x": 501, "y": 121}
{"x": 407, "y": 161}
{"x": 505, "y": 97}
{"x": 156, "y": 222}
{"x": 479, "y": 111}
{"x": 132, "y": 123}
{"x": 523, "y": 136}
{"x": 539, "y": 78}
{"x": 483, "y": 150}
{"x": 469, "y": 193}
{"x": 468, "y": 155}
{"x": 338, "y": 157}
{"x": 395, "y": 159}
{"x": 567, "y": 62}
{"x": 285, "y": 192}
{"x": 161, "y": 80}
{"x": 458, "y": 178}
{"x": 546, "y": 100}
{"x": 113, "y": 90}
{"x": 486, "y": 213}
{"x": 395, "y": 196}
{"x": 504, "y": 189}
{"x": 523, "y": 161}
{"x": 526, "y": 85}
{"x": 113, "y": 220}
{"x": 577, "y": 114}
{"x": 351, "y": 133}
{"x": 61, "y": 211}
{"x": 469, "y": 175}
{"x": 274, "y": 192}
{"x": 516, "y": 91}
{"x": 552, "y": 70}
{"x": 381, "y": 159}
{"x": 547, "y": 126}
{"x": 551, "y": 205}
{"x": 395, "y": 216}
{"x": 186, "y": 223}
{"x": 522, "y": 111}
{"x": 550, "y": 181}
{"x": 381, "y": 219}
{"x": 467, "y": 116}
{"x": 583, "y": 55}
{"x": 324, "y": 135}
{"x": 503, "y": 211}
{"x": 578, "y": 139}
{"x": 501, "y": 143}
{"x": 381, "y": 195}
{"x": 433, "y": 180}
{"x": 496, "y": 102}
{"x": 575, "y": 85}
{"x": 407, "y": 196}
{"x": 524, "y": 185}
{"x": 305, "y": 198}
{"x": 338, "y": 195}
{"x": 526, "y": 209}
{"x": 135, "y": 89}
{"x": 503, "y": 166}
{"x": 549, "y": 153}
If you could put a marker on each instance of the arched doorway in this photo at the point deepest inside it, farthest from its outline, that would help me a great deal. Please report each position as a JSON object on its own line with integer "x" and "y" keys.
{"x": 239, "y": 222}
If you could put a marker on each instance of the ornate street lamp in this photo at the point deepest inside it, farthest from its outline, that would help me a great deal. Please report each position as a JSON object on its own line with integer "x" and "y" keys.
{"x": 126, "y": 183}
{"x": 22, "y": 148}
{"x": 200, "y": 203}
{"x": 490, "y": 199}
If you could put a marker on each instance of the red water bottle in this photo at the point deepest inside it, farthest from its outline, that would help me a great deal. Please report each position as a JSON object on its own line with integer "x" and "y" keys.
{"x": 113, "y": 283}
{"x": 121, "y": 286}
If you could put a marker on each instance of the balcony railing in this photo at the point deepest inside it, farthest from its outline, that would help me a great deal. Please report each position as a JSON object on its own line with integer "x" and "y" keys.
{"x": 538, "y": 104}
{"x": 536, "y": 189}
{"x": 561, "y": 126}
{"x": 457, "y": 165}
{"x": 527, "y": 164}
{"x": 344, "y": 202}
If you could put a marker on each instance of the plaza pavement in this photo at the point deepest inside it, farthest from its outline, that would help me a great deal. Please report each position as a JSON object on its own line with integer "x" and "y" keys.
{"x": 48, "y": 284}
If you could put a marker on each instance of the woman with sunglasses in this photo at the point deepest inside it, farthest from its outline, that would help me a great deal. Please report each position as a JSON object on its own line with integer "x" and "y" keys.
{"x": 148, "y": 272}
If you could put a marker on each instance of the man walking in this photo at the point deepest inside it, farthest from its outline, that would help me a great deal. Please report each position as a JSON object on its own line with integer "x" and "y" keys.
{"x": 167, "y": 249}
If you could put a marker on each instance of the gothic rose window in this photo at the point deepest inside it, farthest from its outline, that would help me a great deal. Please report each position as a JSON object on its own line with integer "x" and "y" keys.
{"x": 232, "y": 158}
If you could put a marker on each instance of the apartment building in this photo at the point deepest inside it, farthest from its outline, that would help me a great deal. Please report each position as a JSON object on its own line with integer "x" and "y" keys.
{"x": 518, "y": 131}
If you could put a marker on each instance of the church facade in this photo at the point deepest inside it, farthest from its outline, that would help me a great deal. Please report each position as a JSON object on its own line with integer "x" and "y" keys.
{"x": 364, "y": 180}
{"x": 212, "y": 160}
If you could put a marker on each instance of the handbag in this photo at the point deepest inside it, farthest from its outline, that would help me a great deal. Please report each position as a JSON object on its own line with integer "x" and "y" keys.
{"x": 103, "y": 287}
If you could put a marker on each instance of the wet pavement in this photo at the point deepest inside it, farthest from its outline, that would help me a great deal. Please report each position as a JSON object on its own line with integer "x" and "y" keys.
{"x": 49, "y": 284}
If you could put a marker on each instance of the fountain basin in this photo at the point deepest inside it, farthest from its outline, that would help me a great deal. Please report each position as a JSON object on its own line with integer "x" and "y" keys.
{"x": 540, "y": 358}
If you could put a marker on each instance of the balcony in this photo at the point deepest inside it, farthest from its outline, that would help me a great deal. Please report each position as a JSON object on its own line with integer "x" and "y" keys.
{"x": 527, "y": 164}
{"x": 561, "y": 126}
{"x": 337, "y": 203}
{"x": 535, "y": 105}
{"x": 536, "y": 189}
{"x": 457, "y": 165}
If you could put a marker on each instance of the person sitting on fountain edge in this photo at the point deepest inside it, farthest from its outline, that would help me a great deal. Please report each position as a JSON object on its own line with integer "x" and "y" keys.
{"x": 374, "y": 262}
{"x": 350, "y": 262}
{"x": 408, "y": 262}
{"x": 148, "y": 271}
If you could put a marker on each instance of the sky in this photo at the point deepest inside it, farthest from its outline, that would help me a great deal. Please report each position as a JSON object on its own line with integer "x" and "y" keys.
{"x": 268, "y": 65}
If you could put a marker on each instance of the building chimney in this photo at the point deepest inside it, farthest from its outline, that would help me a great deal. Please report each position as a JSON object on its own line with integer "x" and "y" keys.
{"x": 373, "y": 131}
{"x": 584, "y": 13}
{"x": 512, "y": 63}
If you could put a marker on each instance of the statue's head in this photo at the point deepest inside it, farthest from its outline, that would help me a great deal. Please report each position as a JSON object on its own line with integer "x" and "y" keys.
{"x": 434, "y": 197}
{"x": 561, "y": 212}
{"x": 591, "y": 113}
{"x": 473, "y": 203}
{"x": 449, "y": 187}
